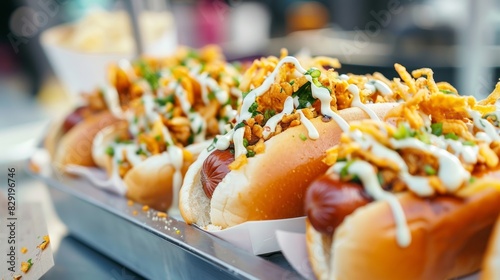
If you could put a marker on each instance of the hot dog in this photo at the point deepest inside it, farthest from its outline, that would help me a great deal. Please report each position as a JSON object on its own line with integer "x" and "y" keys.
{"x": 415, "y": 198}
{"x": 69, "y": 140}
{"x": 173, "y": 106}
{"x": 260, "y": 169}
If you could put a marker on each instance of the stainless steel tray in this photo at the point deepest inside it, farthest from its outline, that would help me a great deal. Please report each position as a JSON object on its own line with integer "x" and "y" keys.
{"x": 154, "y": 248}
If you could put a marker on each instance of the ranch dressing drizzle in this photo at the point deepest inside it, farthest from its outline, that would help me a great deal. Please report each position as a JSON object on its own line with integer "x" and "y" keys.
{"x": 484, "y": 125}
{"x": 369, "y": 86}
{"x": 207, "y": 82}
{"x": 483, "y": 136}
{"x": 496, "y": 113}
{"x": 469, "y": 154}
{"x": 320, "y": 93}
{"x": 312, "y": 132}
{"x": 382, "y": 87}
{"x": 130, "y": 151}
{"x": 448, "y": 163}
{"x": 419, "y": 185}
{"x": 173, "y": 155}
{"x": 150, "y": 115}
{"x": 344, "y": 77}
{"x": 198, "y": 124}
{"x": 356, "y": 102}
{"x": 271, "y": 124}
{"x": 239, "y": 148}
{"x": 323, "y": 95}
{"x": 223, "y": 141}
{"x": 376, "y": 85}
{"x": 112, "y": 100}
{"x": 366, "y": 174}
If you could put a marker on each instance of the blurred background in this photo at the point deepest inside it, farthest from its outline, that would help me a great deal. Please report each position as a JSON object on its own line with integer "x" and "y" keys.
{"x": 51, "y": 50}
{"x": 456, "y": 38}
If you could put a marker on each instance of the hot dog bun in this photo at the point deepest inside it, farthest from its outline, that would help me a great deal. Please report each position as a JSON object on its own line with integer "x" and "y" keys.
{"x": 271, "y": 185}
{"x": 74, "y": 147}
{"x": 449, "y": 237}
{"x": 424, "y": 193}
{"x": 491, "y": 264}
{"x": 151, "y": 182}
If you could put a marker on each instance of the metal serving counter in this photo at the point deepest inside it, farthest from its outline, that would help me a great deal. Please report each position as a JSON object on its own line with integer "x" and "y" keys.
{"x": 155, "y": 248}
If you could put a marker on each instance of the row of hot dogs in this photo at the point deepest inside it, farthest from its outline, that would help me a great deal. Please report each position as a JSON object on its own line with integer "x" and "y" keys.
{"x": 396, "y": 177}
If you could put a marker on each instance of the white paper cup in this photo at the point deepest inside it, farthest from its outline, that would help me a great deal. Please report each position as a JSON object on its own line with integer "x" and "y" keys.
{"x": 81, "y": 71}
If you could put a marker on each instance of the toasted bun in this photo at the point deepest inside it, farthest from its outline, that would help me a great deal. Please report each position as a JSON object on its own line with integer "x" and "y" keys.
{"x": 491, "y": 265}
{"x": 53, "y": 136}
{"x": 272, "y": 184}
{"x": 449, "y": 237}
{"x": 151, "y": 182}
{"x": 75, "y": 147}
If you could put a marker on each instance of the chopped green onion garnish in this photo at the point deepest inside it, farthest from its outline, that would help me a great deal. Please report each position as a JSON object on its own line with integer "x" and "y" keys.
{"x": 437, "y": 128}
{"x": 315, "y": 73}
{"x": 211, "y": 95}
{"x": 268, "y": 114}
{"x": 446, "y": 91}
{"x": 253, "y": 109}
{"x": 450, "y": 135}
{"x": 429, "y": 170}
{"x": 380, "y": 178}
{"x": 469, "y": 143}
{"x": 245, "y": 142}
{"x": 317, "y": 83}
{"x": 402, "y": 132}
{"x": 424, "y": 138}
{"x": 302, "y": 137}
{"x": 30, "y": 264}
{"x": 345, "y": 170}
{"x": 250, "y": 153}
{"x": 241, "y": 124}
{"x": 110, "y": 151}
{"x": 162, "y": 101}
{"x": 236, "y": 82}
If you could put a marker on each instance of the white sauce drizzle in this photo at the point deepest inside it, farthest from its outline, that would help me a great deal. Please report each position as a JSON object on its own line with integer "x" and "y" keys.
{"x": 382, "y": 87}
{"x": 198, "y": 124}
{"x": 239, "y": 148}
{"x": 366, "y": 174}
{"x": 483, "y": 136}
{"x": 484, "y": 125}
{"x": 312, "y": 132}
{"x": 451, "y": 172}
{"x": 370, "y": 87}
{"x": 223, "y": 141}
{"x": 271, "y": 124}
{"x": 368, "y": 143}
{"x": 344, "y": 77}
{"x": 320, "y": 93}
{"x": 469, "y": 154}
{"x": 356, "y": 102}
{"x": 112, "y": 100}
